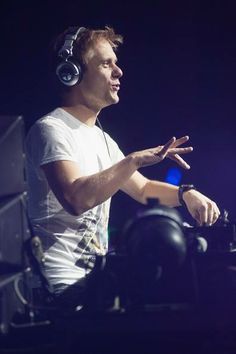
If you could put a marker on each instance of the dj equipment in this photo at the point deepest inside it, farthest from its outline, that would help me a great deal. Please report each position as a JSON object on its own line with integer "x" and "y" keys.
{"x": 160, "y": 261}
{"x": 220, "y": 237}
{"x": 13, "y": 233}
{"x": 12, "y": 179}
{"x": 13, "y": 222}
{"x": 11, "y": 308}
{"x": 69, "y": 70}
{"x": 134, "y": 298}
{"x": 156, "y": 235}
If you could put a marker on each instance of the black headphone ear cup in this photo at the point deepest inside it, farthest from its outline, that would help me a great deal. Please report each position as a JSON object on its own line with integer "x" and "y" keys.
{"x": 69, "y": 73}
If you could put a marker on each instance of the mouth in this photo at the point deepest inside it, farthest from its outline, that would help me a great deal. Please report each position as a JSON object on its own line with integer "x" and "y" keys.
{"x": 115, "y": 87}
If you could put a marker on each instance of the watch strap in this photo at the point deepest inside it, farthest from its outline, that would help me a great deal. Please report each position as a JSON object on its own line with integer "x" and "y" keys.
{"x": 182, "y": 189}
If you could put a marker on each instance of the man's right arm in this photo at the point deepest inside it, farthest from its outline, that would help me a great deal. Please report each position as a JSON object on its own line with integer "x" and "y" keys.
{"x": 78, "y": 193}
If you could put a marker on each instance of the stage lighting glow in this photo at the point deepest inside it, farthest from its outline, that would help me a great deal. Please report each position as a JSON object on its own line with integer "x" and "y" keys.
{"x": 173, "y": 176}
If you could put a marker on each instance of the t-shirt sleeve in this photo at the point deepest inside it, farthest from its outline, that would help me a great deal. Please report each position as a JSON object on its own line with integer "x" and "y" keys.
{"x": 48, "y": 142}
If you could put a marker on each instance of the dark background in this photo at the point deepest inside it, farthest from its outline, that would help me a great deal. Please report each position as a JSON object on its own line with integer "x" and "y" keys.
{"x": 179, "y": 64}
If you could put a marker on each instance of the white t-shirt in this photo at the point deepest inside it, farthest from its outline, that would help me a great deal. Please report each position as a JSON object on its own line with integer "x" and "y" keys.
{"x": 70, "y": 243}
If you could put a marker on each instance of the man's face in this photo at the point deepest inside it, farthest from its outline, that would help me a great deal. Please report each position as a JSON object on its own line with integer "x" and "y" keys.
{"x": 100, "y": 83}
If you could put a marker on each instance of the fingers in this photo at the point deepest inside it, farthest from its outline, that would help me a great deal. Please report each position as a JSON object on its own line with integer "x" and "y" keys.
{"x": 179, "y": 161}
{"x": 171, "y": 148}
{"x": 163, "y": 151}
{"x": 207, "y": 214}
{"x": 203, "y": 212}
{"x": 213, "y": 214}
{"x": 181, "y": 141}
{"x": 171, "y": 151}
{"x": 202, "y": 209}
{"x": 181, "y": 151}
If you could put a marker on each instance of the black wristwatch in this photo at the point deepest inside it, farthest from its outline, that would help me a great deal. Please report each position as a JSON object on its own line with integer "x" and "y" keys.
{"x": 182, "y": 189}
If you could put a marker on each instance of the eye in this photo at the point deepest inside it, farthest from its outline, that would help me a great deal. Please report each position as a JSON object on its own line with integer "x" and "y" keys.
{"x": 106, "y": 64}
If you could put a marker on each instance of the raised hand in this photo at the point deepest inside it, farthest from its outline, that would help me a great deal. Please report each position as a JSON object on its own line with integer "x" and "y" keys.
{"x": 170, "y": 150}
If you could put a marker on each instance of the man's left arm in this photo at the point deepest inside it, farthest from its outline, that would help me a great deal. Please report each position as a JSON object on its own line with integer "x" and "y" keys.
{"x": 201, "y": 208}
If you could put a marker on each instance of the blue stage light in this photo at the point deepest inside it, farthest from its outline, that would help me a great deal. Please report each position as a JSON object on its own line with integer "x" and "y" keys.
{"x": 173, "y": 176}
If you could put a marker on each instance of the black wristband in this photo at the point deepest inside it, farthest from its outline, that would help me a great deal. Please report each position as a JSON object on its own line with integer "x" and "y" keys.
{"x": 182, "y": 189}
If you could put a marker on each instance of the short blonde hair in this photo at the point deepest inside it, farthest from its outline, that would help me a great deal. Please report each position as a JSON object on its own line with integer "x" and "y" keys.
{"x": 85, "y": 40}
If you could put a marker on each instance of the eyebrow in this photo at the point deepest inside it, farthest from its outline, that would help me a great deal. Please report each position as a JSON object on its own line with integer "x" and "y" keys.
{"x": 109, "y": 59}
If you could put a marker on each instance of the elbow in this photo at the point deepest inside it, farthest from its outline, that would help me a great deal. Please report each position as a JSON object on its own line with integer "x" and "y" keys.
{"x": 72, "y": 209}
{"x": 76, "y": 207}
{"x": 78, "y": 199}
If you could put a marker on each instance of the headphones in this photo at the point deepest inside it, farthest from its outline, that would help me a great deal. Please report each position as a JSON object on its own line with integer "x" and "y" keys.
{"x": 69, "y": 70}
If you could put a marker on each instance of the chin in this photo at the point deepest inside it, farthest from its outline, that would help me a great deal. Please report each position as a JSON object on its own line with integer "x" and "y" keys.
{"x": 113, "y": 100}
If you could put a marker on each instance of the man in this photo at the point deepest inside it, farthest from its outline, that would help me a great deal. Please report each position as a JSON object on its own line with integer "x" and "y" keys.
{"x": 74, "y": 168}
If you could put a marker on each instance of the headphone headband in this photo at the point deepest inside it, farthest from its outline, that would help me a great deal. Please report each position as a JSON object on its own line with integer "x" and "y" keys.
{"x": 67, "y": 49}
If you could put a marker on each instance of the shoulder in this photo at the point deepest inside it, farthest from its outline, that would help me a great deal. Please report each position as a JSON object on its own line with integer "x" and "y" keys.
{"x": 50, "y": 123}
{"x": 54, "y": 118}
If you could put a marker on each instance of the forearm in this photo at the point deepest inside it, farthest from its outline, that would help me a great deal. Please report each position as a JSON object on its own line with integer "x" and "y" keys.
{"x": 166, "y": 193}
{"x": 88, "y": 191}
{"x": 78, "y": 193}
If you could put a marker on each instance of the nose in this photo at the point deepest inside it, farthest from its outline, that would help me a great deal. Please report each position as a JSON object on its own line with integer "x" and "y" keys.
{"x": 117, "y": 72}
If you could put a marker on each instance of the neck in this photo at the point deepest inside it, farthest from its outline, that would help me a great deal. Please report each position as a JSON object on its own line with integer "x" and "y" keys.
{"x": 80, "y": 109}
{"x": 82, "y": 113}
